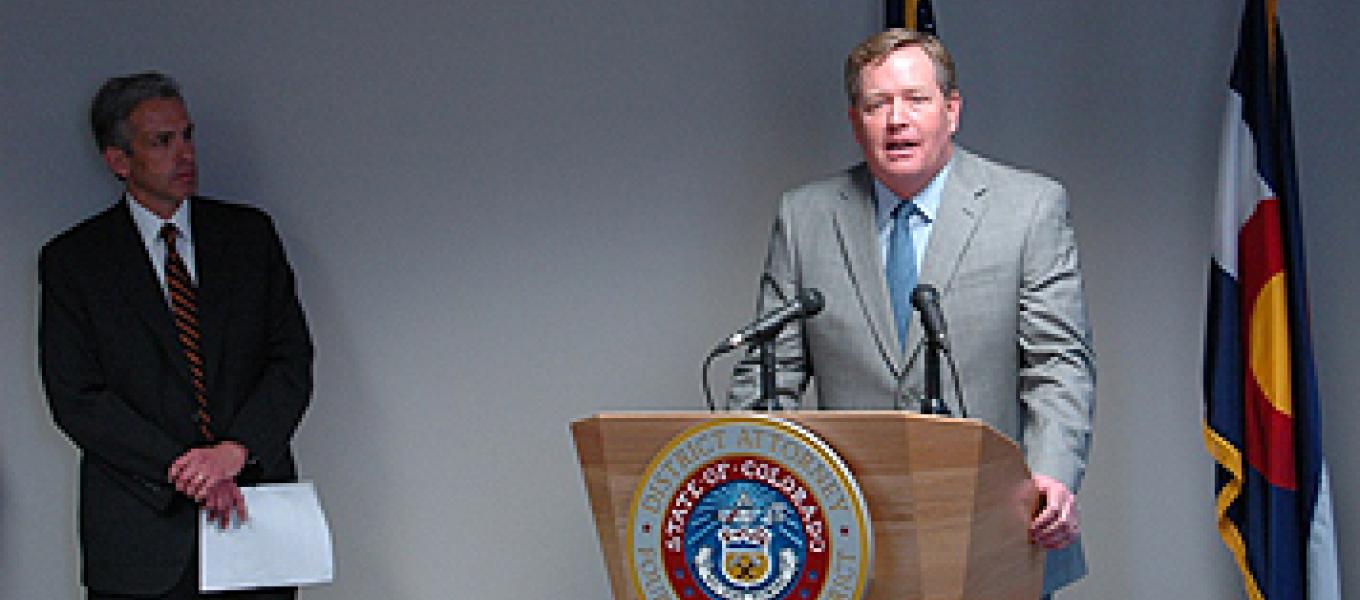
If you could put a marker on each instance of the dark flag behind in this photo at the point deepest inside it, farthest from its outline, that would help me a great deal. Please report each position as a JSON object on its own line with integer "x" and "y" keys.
{"x": 910, "y": 14}
{"x": 1262, "y": 422}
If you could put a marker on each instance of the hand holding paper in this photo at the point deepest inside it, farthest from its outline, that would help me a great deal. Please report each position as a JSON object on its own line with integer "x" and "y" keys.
{"x": 285, "y": 541}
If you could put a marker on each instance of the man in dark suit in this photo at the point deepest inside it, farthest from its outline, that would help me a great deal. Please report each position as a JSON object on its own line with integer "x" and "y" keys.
{"x": 173, "y": 349}
{"x": 997, "y": 244}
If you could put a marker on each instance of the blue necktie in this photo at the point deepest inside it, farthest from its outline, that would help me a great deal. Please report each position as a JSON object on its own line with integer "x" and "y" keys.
{"x": 901, "y": 268}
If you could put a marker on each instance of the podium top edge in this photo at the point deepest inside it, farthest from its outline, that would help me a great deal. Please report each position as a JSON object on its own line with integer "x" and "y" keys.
{"x": 837, "y": 415}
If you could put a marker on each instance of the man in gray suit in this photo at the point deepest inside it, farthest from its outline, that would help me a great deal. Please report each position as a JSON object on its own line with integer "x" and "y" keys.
{"x": 997, "y": 244}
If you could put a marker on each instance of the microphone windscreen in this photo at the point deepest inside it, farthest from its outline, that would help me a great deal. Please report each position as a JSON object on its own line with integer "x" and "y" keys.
{"x": 812, "y": 300}
{"x": 924, "y": 295}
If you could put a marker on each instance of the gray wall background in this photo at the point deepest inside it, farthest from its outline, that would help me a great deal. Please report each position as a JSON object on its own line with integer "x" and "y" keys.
{"x": 506, "y": 215}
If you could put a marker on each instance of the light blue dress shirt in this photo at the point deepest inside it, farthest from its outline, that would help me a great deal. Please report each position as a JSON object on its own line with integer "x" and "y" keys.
{"x": 927, "y": 204}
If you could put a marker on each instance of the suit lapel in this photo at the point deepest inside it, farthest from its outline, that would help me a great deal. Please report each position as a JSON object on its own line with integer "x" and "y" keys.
{"x": 961, "y": 210}
{"x": 214, "y": 285}
{"x": 137, "y": 279}
{"x": 956, "y": 221}
{"x": 853, "y": 219}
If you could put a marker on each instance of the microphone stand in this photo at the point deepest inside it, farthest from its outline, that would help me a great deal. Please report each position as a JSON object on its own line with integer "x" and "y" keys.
{"x": 766, "y": 352}
{"x": 767, "y": 390}
{"x": 933, "y": 402}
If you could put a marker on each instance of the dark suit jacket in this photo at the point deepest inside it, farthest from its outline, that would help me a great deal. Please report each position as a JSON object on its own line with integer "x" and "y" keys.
{"x": 118, "y": 383}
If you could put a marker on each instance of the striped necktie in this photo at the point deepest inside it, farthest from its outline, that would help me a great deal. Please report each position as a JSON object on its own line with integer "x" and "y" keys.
{"x": 184, "y": 308}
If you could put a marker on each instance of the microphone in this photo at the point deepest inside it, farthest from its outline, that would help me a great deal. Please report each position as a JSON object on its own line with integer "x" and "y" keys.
{"x": 927, "y": 301}
{"x": 808, "y": 302}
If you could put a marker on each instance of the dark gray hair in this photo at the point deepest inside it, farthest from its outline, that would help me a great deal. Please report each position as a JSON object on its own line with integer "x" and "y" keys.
{"x": 116, "y": 100}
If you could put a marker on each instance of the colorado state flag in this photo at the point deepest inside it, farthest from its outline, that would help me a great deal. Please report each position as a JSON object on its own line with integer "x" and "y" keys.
{"x": 1261, "y": 402}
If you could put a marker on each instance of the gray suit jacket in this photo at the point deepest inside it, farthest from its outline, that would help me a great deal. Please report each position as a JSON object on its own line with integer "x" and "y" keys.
{"x": 1003, "y": 255}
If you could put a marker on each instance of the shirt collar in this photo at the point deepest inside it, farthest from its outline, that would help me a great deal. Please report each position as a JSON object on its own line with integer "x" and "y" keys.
{"x": 149, "y": 224}
{"x": 927, "y": 200}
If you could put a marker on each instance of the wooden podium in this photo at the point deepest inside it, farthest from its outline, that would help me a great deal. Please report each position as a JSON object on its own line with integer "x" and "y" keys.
{"x": 950, "y": 499}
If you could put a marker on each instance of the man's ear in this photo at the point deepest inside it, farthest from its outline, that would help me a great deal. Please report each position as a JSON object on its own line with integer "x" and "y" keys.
{"x": 955, "y": 108}
{"x": 118, "y": 161}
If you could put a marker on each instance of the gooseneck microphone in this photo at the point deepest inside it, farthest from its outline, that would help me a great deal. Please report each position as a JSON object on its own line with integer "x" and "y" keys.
{"x": 808, "y": 302}
{"x": 927, "y": 302}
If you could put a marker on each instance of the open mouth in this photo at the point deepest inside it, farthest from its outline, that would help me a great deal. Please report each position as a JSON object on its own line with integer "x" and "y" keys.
{"x": 903, "y": 146}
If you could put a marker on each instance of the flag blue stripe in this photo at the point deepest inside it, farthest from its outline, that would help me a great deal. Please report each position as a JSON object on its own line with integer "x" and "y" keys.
{"x": 1223, "y": 359}
{"x": 1271, "y": 530}
{"x": 1251, "y": 80}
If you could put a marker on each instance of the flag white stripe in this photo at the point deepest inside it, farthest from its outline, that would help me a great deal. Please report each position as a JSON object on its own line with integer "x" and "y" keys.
{"x": 1240, "y": 185}
{"x": 1323, "y": 579}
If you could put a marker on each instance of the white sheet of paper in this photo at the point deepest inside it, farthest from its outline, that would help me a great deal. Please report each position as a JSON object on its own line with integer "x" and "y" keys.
{"x": 285, "y": 542}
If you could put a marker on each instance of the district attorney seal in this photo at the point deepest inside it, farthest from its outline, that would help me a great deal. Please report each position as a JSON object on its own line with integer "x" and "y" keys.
{"x": 748, "y": 508}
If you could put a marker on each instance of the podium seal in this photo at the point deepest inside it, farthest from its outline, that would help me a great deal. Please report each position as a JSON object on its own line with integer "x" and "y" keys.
{"x": 748, "y": 507}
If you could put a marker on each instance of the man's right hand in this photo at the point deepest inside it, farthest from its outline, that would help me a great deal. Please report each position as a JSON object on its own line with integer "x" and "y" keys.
{"x": 199, "y": 470}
